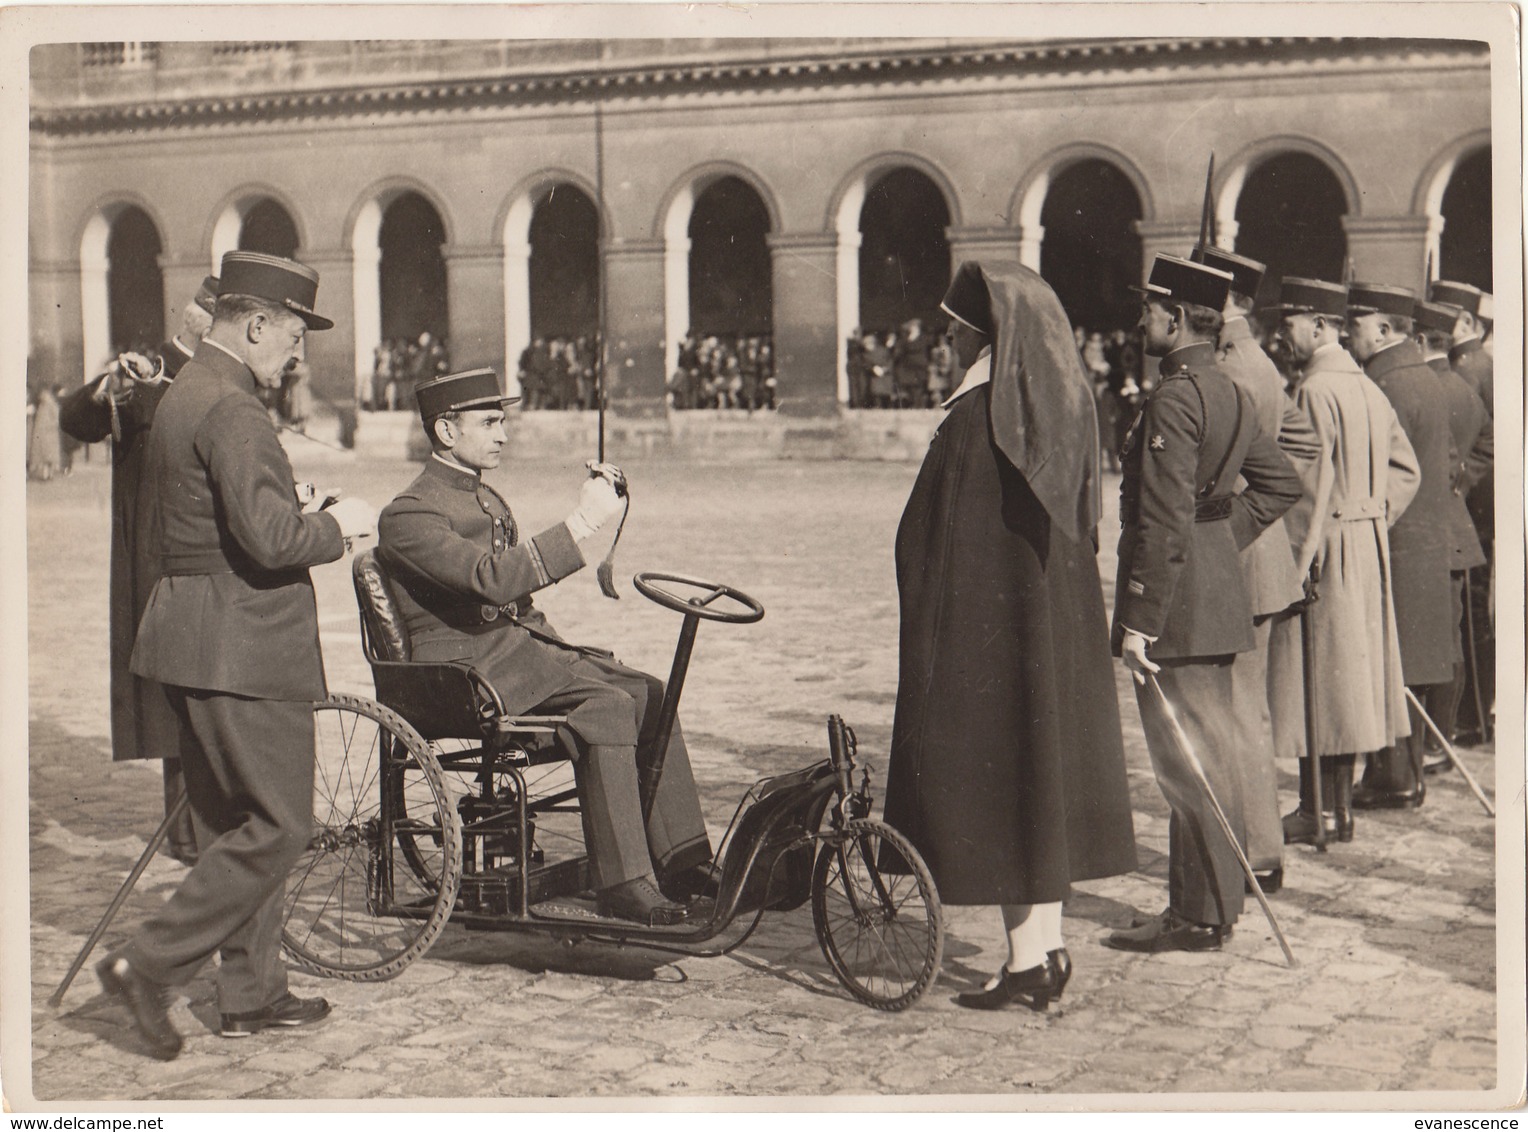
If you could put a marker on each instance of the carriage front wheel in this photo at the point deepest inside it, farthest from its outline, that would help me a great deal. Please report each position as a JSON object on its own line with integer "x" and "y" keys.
{"x": 381, "y": 872}
{"x": 877, "y": 915}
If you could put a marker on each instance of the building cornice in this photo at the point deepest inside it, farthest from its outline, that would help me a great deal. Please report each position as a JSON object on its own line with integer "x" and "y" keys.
{"x": 370, "y": 96}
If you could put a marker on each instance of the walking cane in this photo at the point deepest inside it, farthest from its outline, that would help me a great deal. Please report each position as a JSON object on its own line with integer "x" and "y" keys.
{"x": 1180, "y": 739}
{"x": 1448, "y": 749}
{"x": 122, "y": 893}
{"x": 1308, "y": 660}
{"x": 1472, "y": 660}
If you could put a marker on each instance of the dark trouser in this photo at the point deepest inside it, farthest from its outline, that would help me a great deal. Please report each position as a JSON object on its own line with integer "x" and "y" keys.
{"x": 1442, "y": 700}
{"x": 248, "y": 766}
{"x": 180, "y": 839}
{"x": 1205, "y": 880}
{"x": 613, "y": 717}
{"x": 1253, "y": 746}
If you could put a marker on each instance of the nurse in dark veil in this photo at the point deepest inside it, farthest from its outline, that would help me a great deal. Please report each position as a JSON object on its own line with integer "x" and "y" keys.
{"x": 1007, "y": 766}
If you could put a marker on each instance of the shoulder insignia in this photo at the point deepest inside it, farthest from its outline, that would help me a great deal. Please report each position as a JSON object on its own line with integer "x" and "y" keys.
{"x": 1137, "y": 588}
{"x": 1158, "y": 443}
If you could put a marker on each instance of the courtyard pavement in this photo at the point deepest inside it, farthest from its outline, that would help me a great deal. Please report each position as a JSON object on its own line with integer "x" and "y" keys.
{"x": 1395, "y": 993}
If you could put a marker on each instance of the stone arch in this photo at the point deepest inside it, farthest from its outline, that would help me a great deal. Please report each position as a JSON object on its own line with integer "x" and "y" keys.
{"x": 672, "y": 226}
{"x": 1427, "y": 198}
{"x": 221, "y": 233}
{"x": 1228, "y": 193}
{"x": 1029, "y": 196}
{"x": 92, "y": 236}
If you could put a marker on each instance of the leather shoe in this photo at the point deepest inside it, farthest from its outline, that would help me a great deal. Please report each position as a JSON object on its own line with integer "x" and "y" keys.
{"x": 1169, "y": 932}
{"x": 1270, "y": 882}
{"x": 1300, "y": 828}
{"x": 640, "y": 900}
{"x": 695, "y": 883}
{"x": 146, "y": 1001}
{"x": 287, "y": 1012}
{"x": 1061, "y": 968}
{"x": 1436, "y": 762}
{"x": 1372, "y": 798}
{"x": 1032, "y": 988}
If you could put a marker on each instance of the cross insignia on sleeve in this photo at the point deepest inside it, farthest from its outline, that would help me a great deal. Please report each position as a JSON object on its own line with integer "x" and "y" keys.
{"x": 1158, "y": 443}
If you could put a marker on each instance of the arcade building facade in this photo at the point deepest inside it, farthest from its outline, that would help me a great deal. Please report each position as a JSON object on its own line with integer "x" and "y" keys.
{"x": 796, "y": 189}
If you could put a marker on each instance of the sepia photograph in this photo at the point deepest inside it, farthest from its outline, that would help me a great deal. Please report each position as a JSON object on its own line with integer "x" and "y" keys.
{"x": 747, "y": 557}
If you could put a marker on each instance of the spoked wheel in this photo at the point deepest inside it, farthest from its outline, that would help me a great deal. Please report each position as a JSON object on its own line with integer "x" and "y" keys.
{"x": 354, "y": 909}
{"x": 877, "y": 915}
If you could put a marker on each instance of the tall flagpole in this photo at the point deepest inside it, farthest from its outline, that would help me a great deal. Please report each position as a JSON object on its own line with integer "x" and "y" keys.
{"x": 599, "y": 205}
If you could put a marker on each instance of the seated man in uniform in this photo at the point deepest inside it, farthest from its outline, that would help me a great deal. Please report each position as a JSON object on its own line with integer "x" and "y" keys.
{"x": 463, "y": 579}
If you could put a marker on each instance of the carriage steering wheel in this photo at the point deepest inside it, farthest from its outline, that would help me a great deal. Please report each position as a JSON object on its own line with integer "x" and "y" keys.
{"x": 699, "y": 603}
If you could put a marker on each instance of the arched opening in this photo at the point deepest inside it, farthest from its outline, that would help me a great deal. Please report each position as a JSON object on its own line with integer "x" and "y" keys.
{"x": 731, "y": 293}
{"x": 904, "y": 254}
{"x": 134, "y": 283}
{"x": 412, "y": 269}
{"x": 564, "y": 264}
{"x": 1091, "y": 254}
{"x": 1464, "y": 253}
{"x": 268, "y": 227}
{"x": 1289, "y": 216}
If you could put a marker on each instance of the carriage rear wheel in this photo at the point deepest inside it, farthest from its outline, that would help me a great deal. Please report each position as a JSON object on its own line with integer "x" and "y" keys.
{"x": 353, "y": 909}
{"x": 877, "y": 915}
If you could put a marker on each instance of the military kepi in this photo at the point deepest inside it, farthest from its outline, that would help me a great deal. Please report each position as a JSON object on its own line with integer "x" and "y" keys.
{"x": 207, "y": 294}
{"x": 470, "y": 389}
{"x": 968, "y": 299}
{"x": 1311, "y": 296}
{"x": 1438, "y": 317}
{"x": 1460, "y": 295}
{"x": 1376, "y": 298}
{"x": 284, "y": 281}
{"x": 1246, "y": 274}
{"x": 1175, "y": 280}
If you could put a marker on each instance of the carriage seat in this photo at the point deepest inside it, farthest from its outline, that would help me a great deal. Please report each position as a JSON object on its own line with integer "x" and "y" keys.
{"x": 440, "y": 699}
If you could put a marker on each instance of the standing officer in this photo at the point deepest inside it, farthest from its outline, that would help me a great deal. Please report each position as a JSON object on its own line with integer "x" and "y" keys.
{"x": 1268, "y": 565}
{"x": 1379, "y": 336}
{"x": 142, "y": 721}
{"x": 1472, "y": 361}
{"x": 1365, "y": 476}
{"x": 1180, "y": 594}
{"x": 1474, "y": 454}
{"x": 231, "y": 629}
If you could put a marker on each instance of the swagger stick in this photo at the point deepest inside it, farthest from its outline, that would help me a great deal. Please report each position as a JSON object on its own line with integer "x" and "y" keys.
{"x": 605, "y": 572}
{"x": 1308, "y": 659}
{"x": 1448, "y": 749}
{"x": 122, "y": 893}
{"x": 1186, "y": 749}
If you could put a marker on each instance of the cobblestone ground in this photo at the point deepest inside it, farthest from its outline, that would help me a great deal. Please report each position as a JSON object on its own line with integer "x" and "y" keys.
{"x": 1396, "y": 933}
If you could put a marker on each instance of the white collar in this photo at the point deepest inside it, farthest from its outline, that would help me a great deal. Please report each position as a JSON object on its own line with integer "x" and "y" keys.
{"x": 452, "y": 464}
{"x": 219, "y": 346}
{"x": 979, "y": 374}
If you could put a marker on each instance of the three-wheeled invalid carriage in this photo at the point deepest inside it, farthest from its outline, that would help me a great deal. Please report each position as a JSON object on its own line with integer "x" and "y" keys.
{"x": 432, "y": 804}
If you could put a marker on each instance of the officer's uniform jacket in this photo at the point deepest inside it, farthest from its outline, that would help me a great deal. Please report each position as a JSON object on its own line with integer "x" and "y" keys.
{"x": 463, "y": 581}
{"x": 143, "y": 725}
{"x": 1422, "y": 539}
{"x": 1269, "y": 563}
{"x": 1471, "y": 362}
{"x": 1180, "y": 578}
{"x": 233, "y": 610}
{"x": 1474, "y": 452}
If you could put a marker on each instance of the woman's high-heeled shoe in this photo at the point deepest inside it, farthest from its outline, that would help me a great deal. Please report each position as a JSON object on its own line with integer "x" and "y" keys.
{"x": 1061, "y": 963}
{"x": 1032, "y": 988}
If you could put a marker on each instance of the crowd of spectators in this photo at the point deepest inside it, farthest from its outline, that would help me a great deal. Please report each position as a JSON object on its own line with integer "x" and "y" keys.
{"x": 398, "y": 365}
{"x": 1113, "y": 361}
{"x": 559, "y": 373}
{"x": 906, "y": 368}
{"x": 716, "y": 371}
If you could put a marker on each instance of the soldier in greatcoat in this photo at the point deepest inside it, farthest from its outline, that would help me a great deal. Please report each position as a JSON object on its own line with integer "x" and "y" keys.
{"x": 1474, "y": 455}
{"x": 1268, "y": 564}
{"x": 1365, "y": 476}
{"x": 1181, "y": 607}
{"x": 1421, "y": 540}
{"x": 142, "y": 721}
{"x": 231, "y": 628}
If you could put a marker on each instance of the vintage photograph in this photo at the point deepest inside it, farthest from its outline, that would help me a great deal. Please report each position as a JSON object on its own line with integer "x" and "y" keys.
{"x": 724, "y": 556}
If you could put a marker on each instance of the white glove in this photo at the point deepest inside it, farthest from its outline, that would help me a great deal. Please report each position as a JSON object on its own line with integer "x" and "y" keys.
{"x": 597, "y": 505}
{"x": 356, "y": 517}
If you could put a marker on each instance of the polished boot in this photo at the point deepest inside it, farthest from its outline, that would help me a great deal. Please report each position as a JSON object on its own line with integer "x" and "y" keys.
{"x": 1270, "y": 882}
{"x": 1391, "y": 781}
{"x": 1033, "y": 988}
{"x": 1169, "y": 932}
{"x": 1342, "y": 794}
{"x": 147, "y": 1003}
{"x": 640, "y": 900}
{"x": 1300, "y": 825}
{"x": 1061, "y": 964}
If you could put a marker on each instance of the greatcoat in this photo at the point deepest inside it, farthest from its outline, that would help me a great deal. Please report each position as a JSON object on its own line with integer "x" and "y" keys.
{"x": 1421, "y": 539}
{"x": 1365, "y": 477}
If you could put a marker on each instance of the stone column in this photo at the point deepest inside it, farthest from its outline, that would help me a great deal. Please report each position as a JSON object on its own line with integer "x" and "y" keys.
{"x": 1388, "y": 249}
{"x": 516, "y": 285}
{"x": 55, "y": 351}
{"x": 847, "y": 305}
{"x": 634, "y": 326}
{"x": 805, "y": 288}
{"x": 475, "y": 306}
{"x": 676, "y": 298}
{"x": 1031, "y": 238}
{"x": 984, "y": 243}
{"x": 1170, "y": 237}
{"x": 339, "y": 367}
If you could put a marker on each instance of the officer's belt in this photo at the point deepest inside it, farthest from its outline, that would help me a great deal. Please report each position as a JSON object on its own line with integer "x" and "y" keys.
{"x": 1213, "y": 509}
{"x": 471, "y": 616}
{"x": 1356, "y": 510}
